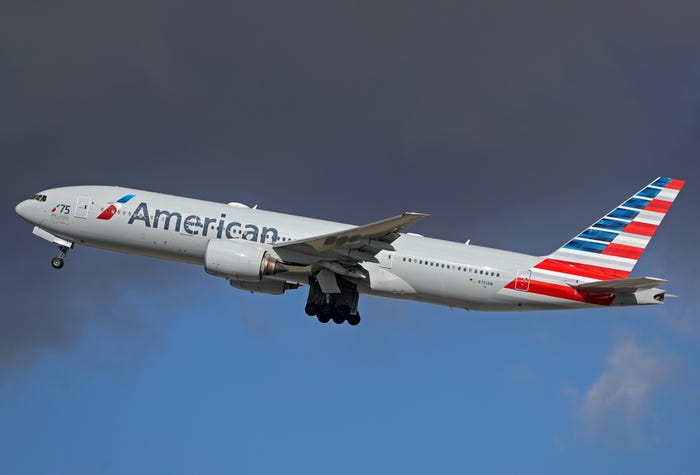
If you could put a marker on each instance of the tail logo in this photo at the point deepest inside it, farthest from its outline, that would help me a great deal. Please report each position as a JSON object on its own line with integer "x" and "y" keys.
{"x": 623, "y": 234}
{"x": 606, "y": 250}
{"x": 113, "y": 207}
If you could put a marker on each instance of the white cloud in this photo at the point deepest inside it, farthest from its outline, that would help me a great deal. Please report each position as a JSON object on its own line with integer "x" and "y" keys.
{"x": 618, "y": 406}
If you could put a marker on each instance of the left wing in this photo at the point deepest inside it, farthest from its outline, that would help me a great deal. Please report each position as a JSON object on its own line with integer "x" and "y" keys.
{"x": 357, "y": 243}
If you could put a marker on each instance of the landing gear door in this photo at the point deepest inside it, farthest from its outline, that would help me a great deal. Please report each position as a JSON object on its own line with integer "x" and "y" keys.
{"x": 385, "y": 258}
{"x": 82, "y": 206}
{"x": 522, "y": 281}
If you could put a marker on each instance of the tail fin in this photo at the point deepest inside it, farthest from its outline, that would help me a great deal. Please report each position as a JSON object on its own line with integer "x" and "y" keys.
{"x": 610, "y": 247}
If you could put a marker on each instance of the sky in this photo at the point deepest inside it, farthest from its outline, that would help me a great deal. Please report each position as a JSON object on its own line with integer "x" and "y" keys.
{"x": 513, "y": 124}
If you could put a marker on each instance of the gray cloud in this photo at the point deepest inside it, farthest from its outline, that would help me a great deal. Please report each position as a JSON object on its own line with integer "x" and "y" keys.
{"x": 51, "y": 310}
{"x": 619, "y": 404}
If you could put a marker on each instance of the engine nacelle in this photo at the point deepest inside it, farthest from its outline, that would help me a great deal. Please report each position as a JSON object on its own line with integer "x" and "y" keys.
{"x": 239, "y": 260}
{"x": 265, "y": 286}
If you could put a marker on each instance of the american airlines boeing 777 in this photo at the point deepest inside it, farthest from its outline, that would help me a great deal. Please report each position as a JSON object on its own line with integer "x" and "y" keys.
{"x": 263, "y": 251}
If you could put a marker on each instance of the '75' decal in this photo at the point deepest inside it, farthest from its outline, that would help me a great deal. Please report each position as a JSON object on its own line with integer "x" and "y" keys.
{"x": 61, "y": 209}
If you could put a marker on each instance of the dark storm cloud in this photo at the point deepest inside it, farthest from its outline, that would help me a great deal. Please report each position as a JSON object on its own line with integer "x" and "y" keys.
{"x": 45, "y": 310}
{"x": 478, "y": 113}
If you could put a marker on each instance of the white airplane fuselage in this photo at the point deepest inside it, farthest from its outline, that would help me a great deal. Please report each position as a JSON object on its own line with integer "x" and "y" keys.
{"x": 411, "y": 267}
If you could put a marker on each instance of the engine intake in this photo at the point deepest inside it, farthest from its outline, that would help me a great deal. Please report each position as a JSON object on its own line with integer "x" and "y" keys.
{"x": 239, "y": 260}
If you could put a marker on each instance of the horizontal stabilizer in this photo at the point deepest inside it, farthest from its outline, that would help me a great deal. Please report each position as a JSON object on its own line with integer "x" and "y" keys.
{"x": 619, "y": 286}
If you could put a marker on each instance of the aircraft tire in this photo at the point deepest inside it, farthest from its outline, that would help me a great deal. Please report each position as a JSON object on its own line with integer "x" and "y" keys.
{"x": 354, "y": 319}
{"x": 343, "y": 312}
{"x": 325, "y": 313}
{"x": 311, "y": 309}
{"x": 57, "y": 262}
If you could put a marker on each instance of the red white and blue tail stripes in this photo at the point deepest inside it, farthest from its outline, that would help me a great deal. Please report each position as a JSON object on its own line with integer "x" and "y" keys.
{"x": 112, "y": 209}
{"x": 609, "y": 248}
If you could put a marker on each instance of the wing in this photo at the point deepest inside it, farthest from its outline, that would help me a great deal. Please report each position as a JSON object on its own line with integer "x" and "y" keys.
{"x": 357, "y": 243}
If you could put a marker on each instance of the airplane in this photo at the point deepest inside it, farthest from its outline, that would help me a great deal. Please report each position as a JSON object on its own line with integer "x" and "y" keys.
{"x": 267, "y": 252}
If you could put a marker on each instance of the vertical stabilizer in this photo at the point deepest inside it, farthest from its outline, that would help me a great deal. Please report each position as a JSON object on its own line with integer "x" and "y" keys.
{"x": 610, "y": 247}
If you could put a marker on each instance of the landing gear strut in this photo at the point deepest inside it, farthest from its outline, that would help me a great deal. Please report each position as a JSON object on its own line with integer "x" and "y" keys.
{"x": 340, "y": 307}
{"x": 57, "y": 262}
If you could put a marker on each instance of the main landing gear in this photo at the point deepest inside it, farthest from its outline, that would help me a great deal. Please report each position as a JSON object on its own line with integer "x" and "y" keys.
{"x": 327, "y": 312}
{"x": 340, "y": 307}
{"x": 57, "y": 262}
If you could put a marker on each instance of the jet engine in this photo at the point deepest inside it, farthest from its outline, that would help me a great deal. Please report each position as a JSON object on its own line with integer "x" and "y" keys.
{"x": 239, "y": 260}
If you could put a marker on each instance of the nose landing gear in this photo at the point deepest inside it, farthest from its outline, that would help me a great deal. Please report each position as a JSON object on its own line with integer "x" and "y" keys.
{"x": 57, "y": 262}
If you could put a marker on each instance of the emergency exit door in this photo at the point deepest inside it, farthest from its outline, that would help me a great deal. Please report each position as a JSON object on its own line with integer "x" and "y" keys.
{"x": 385, "y": 258}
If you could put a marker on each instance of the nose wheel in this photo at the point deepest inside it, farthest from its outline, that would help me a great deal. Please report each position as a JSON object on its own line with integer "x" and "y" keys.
{"x": 57, "y": 262}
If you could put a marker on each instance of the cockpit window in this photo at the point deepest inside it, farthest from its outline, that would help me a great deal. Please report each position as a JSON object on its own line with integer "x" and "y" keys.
{"x": 40, "y": 197}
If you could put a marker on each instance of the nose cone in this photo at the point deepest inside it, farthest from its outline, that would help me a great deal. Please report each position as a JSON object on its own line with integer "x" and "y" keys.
{"x": 23, "y": 208}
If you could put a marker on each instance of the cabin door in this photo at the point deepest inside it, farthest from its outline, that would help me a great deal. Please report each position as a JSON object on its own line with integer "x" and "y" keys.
{"x": 522, "y": 281}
